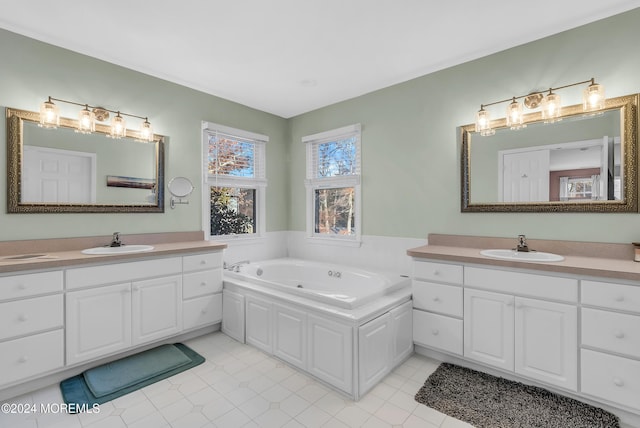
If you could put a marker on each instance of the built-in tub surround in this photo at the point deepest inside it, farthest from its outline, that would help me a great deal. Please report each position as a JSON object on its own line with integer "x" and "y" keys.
{"x": 347, "y": 327}
{"x": 569, "y": 326}
{"x": 337, "y": 285}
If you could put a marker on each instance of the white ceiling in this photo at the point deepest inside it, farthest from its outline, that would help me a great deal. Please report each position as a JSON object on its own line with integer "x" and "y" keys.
{"x": 288, "y": 57}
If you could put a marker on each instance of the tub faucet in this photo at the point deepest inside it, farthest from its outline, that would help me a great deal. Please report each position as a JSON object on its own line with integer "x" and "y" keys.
{"x": 115, "y": 240}
{"x": 522, "y": 244}
{"x": 235, "y": 267}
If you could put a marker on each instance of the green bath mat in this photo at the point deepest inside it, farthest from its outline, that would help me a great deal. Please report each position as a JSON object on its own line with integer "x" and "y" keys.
{"x": 115, "y": 379}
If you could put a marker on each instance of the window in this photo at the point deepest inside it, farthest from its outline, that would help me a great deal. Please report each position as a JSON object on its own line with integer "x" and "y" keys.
{"x": 234, "y": 176}
{"x": 333, "y": 185}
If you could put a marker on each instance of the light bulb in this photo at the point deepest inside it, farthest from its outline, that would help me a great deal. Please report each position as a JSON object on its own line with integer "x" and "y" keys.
{"x": 49, "y": 115}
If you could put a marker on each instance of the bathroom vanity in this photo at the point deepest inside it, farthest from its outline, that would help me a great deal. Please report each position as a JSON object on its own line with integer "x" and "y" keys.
{"x": 570, "y": 326}
{"x": 65, "y": 310}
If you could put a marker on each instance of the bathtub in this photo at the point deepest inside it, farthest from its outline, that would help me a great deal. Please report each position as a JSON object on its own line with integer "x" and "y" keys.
{"x": 337, "y": 285}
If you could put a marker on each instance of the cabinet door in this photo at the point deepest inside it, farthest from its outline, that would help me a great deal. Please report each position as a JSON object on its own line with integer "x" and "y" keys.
{"x": 546, "y": 342}
{"x": 402, "y": 332}
{"x": 488, "y": 328}
{"x": 98, "y": 322}
{"x": 258, "y": 323}
{"x": 157, "y": 308}
{"x": 233, "y": 315}
{"x": 375, "y": 351}
{"x": 289, "y": 335}
{"x": 331, "y": 352}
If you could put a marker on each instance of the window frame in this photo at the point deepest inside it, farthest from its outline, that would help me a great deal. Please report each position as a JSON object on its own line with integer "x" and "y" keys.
{"x": 314, "y": 183}
{"x": 258, "y": 182}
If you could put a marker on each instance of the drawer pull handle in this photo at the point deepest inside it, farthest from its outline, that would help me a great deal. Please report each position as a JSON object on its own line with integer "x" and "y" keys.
{"x": 620, "y": 299}
{"x": 202, "y": 284}
{"x": 22, "y": 287}
{"x": 435, "y": 332}
{"x": 508, "y": 303}
{"x": 203, "y": 262}
{"x": 204, "y": 311}
{"x": 619, "y": 334}
{"x": 23, "y": 359}
{"x": 22, "y": 318}
{"x": 436, "y": 299}
{"x": 618, "y": 382}
{"x": 436, "y": 273}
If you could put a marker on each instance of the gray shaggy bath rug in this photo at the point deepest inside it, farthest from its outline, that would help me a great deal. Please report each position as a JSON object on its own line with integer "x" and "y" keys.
{"x": 487, "y": 401}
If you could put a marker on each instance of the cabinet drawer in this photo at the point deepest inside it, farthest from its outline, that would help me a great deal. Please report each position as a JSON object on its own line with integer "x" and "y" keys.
{"x": 526, "y": 284}
{"x": 440, "y": 272}
{"x": 30, "y": 356}
{"x": 610, "y": 295}
{"x": 122, "y": 272}
{"x": 611, "y": 331}
{"x": 31, "y": 284}
{"x": 446, "y": 299}
{"x": 30, "y": 315}
{"x": 201, "y": 283}
{"x": 202, "y": 311}
{"x": 202, "y": 261}
{"x": 437, "y": 331}
{"x": 612, "y": 378}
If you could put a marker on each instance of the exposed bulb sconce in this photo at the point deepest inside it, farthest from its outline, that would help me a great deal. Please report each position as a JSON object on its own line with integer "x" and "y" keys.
{"x": 87, "y": 117}
{"x": 550, "y": 104}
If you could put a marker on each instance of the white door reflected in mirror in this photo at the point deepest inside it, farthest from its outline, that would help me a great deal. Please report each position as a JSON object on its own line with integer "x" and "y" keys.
{"x": 179, "y": 187}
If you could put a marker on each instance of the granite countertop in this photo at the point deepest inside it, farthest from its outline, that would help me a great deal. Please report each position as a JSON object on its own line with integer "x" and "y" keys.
{"x": 587, "y": 262}
{"x": 74, "y": 257}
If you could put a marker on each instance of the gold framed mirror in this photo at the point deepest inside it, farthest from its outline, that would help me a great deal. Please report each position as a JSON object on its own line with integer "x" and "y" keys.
{"x": 582, "y": 163}
{"x": 63, "y": 171}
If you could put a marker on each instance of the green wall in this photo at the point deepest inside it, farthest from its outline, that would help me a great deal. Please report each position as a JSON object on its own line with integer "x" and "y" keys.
{"x": 411, "y": 146}
{"x": 30, "y": 71}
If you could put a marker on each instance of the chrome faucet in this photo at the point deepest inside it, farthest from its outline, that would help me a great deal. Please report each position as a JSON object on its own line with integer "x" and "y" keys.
{"x": 522, "y": 244}
{"x": 235, "y": 267}
{"x": 115, "y": 240}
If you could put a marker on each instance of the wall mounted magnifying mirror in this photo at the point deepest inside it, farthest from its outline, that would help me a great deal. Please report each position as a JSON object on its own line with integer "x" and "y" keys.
{"x": 580, "y": 163}
{"x": 180, "y": 188}
{"x": 63, "y": 171}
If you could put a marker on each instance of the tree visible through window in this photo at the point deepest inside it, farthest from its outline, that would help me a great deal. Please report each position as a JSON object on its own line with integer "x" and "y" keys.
{"x": 333, "y": 182}
{"x": 235, "y": 175}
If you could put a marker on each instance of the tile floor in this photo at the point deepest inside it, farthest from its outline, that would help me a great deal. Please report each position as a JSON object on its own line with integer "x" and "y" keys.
{"x": 239, "y": 386}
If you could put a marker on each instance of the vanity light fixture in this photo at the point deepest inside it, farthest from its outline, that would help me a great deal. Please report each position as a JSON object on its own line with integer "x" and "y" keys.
{"x": 86, "y": 121}
{"x": 49, "y": 115}
{"x": 550, "y": 104}
{"x": 87, "y": 117}
{"x": 118, "y": 127}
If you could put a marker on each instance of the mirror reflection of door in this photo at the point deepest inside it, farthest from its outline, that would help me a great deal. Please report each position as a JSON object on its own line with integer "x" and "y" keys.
{"x": 61, "y": 176}
{"x": 525, "y": 176}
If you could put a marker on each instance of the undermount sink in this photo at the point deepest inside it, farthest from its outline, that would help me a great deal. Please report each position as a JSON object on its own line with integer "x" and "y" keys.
{"x": 521, "y": 256}
{"x": 123, "y": 249}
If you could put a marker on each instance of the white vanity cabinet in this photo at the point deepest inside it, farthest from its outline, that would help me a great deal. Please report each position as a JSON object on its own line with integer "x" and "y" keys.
{"x": 518, "y": 322}
{"x": 610, "y": 345}
{"x": 155, "y": 313}
{"x": 103, "y": 318}
{"x": 31, "y": 319}
{"x": 527, "y": 330}
{"x": 201, "y": 290}
{"x": 438, "y": 303}
{"x": 98, "y": 322}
